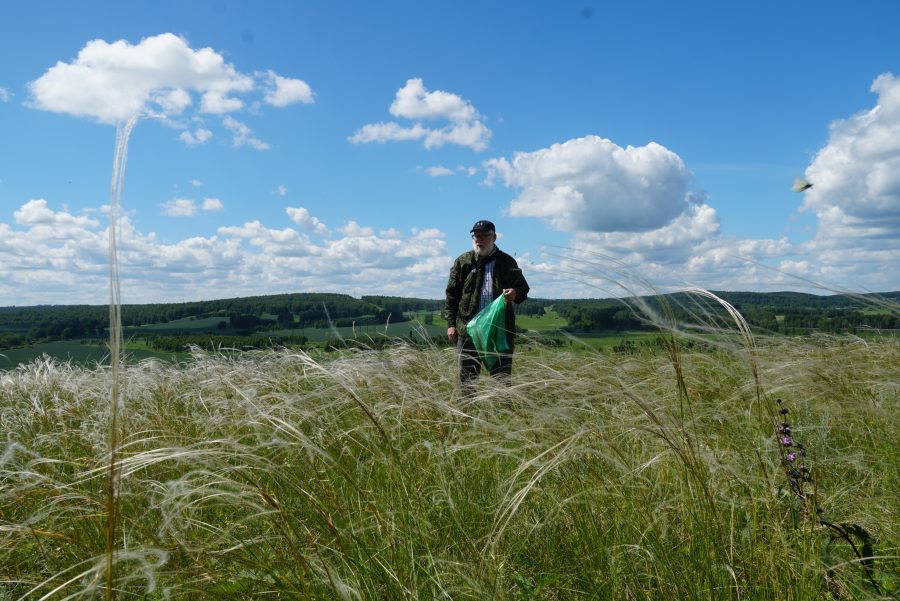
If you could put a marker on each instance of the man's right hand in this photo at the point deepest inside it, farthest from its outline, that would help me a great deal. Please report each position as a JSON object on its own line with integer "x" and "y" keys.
{"x": 451, "y": 334}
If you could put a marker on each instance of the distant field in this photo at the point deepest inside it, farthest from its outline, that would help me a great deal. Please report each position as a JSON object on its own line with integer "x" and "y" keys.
{"x": 590, "y": 342}
{"x": 81, "y": 354}
{"x": 394, "y": 330}
{"x": 188, "y": 324}
{"x": 551, "y": 320}
{"x": 607, "y": 341}
{"x": 546, "y": 327}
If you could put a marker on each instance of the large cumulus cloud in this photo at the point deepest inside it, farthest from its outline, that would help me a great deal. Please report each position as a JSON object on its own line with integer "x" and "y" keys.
{"x": 55, "y": 256}
{"x": 159, "y": 76}
{"x": 632, "y": 210}
{"x": 856, "y": 195}
{"x": 592, "y": 184}
{"x": 856, "y": 176}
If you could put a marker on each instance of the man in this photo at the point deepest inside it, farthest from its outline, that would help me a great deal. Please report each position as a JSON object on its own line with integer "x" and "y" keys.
{"x": 477, "y": 278}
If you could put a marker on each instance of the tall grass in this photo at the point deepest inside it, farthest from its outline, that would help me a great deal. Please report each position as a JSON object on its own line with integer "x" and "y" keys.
{"x": 120, "y": 159}
{"x": 363, "y": 477}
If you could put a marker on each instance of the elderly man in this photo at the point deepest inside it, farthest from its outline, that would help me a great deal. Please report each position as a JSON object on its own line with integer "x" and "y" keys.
{"x": 477, "y": 278}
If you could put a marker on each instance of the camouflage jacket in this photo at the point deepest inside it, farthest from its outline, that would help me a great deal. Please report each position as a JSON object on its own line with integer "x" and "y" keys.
{"x": 464, "y": 288}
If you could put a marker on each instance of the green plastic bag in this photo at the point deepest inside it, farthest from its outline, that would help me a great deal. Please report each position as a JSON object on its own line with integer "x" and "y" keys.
{"x": 488, "y": 332}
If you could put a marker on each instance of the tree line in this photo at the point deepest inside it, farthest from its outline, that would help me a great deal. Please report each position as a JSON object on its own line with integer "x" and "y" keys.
{"x": 778, "y": 312}
{"x": 781, "y": 312}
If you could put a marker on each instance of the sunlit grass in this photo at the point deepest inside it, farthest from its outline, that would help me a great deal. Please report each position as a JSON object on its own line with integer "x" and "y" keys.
{"x": 273, "y": 474}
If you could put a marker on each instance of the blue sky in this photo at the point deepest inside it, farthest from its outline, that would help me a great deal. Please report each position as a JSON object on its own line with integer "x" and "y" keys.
{"x": 349, "y": 146}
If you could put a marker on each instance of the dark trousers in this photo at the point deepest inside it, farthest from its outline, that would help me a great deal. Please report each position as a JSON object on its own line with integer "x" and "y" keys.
{"x": 470, "y": 365}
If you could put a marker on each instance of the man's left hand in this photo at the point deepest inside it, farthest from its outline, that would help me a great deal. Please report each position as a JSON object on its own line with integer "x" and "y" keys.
{"x": 510, "y": 294}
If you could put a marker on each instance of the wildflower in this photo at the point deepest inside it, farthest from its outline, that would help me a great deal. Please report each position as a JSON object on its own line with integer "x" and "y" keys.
{"x": 791, "y": 457}
{"x": 786, "y": 441}
{"x": 784, "y": 428}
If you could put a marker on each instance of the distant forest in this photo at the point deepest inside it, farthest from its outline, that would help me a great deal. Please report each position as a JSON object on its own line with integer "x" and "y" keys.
{"x": 246, "y": 316}
{"x": 786, "y": 313}
{"x": 767, "y": 312}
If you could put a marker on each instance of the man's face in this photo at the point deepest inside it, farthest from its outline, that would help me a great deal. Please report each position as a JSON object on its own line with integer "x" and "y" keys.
{"x": 483, "y": 242}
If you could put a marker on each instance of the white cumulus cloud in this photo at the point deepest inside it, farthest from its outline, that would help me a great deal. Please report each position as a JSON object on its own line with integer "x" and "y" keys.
{"x": 672, "y": 242}
{"x": 438, "y": 171}
{"x": 283, "y": 91}
{"x": 217, "y": 103}
{"x": 354, "y": 230}
{"x": 113, "y": 81}
{"x": 415, "y": 103}
{"x": 243, "y": 135}
{"x": 856, "y": 176}
{"x": 387, "y": 132}
{"x": 5, "y": 95}
{"x": 159, "y": 76}
{"x": 172, "y": 102}
{"x": 36, "y": 212}
{"x": 212, "y": 204}
{"x": 856, "y": 192}
{"x": 273, "y": 242}
{"x": 281, "y": 190}
{"x": 49, "y": 256}
{"x": 592, "y": 184}
{"x": 302, "y": 217}
{"x": 473, "y": 135}
{"x": 199, "y": 136}
{"x": 179, "y": 207}
{"x": 46, "y": 224}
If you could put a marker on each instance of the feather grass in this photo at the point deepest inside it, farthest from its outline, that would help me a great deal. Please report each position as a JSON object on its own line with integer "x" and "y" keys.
{"x": 260, "y": 474}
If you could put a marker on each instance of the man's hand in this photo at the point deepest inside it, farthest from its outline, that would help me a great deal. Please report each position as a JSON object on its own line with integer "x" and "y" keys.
{"x": 510, "y": 295}
{"x": 451, "y": 334}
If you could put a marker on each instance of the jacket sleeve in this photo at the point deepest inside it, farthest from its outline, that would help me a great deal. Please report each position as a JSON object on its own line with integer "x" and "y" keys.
{"x": 453, "y": 292}
{"x": 517, "y": 281}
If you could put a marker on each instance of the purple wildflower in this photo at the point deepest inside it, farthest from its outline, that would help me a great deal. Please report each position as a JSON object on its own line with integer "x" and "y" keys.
{"x": 794, "y": 454}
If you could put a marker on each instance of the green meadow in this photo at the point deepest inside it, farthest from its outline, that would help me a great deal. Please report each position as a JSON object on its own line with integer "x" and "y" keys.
{"x": 79, "y": 352}
{"x": 187, "y": 324}
{"x": 658, "y": 473}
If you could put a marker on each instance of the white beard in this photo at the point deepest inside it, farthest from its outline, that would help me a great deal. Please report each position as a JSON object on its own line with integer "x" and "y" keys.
{"x": 483, "y": 252}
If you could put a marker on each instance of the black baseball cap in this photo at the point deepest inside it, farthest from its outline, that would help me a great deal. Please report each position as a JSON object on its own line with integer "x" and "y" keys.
{"x": 482, "y": 226}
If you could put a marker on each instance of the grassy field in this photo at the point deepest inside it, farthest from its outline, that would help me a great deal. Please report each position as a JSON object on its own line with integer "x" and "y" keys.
{"x": 188, "y": 324}
{"x": 392, "y": 330}
{"x": 647, "y": 475}
{"x": 550, "y": 320}
{"x": 78, "y": 353}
